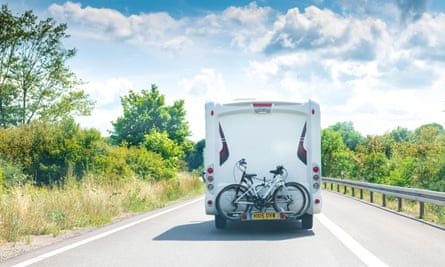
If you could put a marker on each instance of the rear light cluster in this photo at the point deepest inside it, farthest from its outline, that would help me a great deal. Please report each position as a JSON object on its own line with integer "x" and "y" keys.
{"x": 316, "y": 177}
{"x": 210, "y": 178}
{"x": 316, "y": 174}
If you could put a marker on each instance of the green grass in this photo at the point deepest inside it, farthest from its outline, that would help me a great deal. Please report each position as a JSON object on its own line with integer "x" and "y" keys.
{"x": 28, "y": 210}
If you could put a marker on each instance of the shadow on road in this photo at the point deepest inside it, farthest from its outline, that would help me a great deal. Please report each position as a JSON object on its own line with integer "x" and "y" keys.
{"x": 236, "y": 231}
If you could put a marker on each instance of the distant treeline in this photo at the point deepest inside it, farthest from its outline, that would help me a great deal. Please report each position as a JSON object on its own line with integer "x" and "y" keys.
{"x": 401, "y": 157}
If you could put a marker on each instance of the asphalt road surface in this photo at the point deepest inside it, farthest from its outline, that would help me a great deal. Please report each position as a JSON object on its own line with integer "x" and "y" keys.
{"x": 347, "y": 233}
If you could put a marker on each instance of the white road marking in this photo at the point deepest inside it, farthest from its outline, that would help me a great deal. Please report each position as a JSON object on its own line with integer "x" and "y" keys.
{"x": 93, "y": 238}
{"x": 362, "y": 253}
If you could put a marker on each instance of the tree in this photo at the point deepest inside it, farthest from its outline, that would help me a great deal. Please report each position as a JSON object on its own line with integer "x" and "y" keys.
{"x": 35, "y": 81}
{"x": 49, "y": 151}
{"x": 146, "y": 112}
{"x": 336, "y": 157}
{"x": 194, "y": 156}
{"x": 160, "y": 143}
{"x": 401, "y": 134}
{"x": 375, "y": 167}
{"x": 427, "y": 133}
{"x": 350, "y": 137}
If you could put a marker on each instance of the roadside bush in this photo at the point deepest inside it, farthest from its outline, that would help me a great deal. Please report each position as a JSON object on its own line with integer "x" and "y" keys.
{"x": 48, "y": 152}
{"x": 11, "y": 175}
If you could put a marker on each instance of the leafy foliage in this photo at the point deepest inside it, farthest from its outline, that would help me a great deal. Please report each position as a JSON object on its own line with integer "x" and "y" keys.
{"x": 164, "y": 146}
{"x": 49, "y": 152}
{"x": 194, "y": 156}
{"x": 401, "y": 157}
{"x": 147, "y": 112}
{"x": 148, "y": 122}
{"x": 34, "y": 79}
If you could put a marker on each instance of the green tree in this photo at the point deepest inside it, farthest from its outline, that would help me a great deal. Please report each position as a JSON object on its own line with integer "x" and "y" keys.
{"x": 429, "y": 166}
{"x": 351, "y": 138}
{"x": 160, "y": 143}
{"x": 194, "y": 156}
{"x": 47, "y": 152}
{"x": 336, "y": 156}
{"x": 146, "y": 112}
{"x": 427, "y": 134}
{"x": 375, "y": 167}
{"x": 35, "y": 81}
{"x": 401, "y": 135}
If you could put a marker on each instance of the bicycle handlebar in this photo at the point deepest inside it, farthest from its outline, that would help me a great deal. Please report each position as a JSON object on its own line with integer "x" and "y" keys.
{"x": 279, "y": 170}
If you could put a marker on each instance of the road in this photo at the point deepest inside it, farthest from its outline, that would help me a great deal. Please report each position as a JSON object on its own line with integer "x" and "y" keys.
{"x": 347, "y": 233}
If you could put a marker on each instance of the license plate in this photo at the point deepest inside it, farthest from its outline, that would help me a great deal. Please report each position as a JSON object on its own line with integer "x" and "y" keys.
{"x": 265, "y": 216}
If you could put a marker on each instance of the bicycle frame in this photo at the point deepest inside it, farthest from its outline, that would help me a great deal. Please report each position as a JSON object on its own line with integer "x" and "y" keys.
{"x": 247, "y": 179}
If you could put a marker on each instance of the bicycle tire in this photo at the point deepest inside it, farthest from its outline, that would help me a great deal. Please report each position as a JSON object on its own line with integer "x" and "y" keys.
{"x": 291, "y": 198}
{"x": 232, "y": 201}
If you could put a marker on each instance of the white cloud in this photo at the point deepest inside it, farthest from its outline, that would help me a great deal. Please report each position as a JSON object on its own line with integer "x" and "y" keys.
{"x": 108, "y": 92}
{"x": 425, "y": 38}
{"x": 105, "y": 23}
{"x": 207, "y": 84}
{"x": 362, "y": 68}
{"x": 411, "y": 10}
{"x": 108, "y": 105}
{"x": 329, "y": 33}
{"x": 177, "y": 44}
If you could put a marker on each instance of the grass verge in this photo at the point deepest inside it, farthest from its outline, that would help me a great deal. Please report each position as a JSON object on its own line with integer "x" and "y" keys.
{"x": 27, "y": 211}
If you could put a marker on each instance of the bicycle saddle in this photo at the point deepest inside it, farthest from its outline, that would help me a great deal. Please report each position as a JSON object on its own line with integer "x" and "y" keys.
{"x": 278, "y": 170}
{"x": 275, "y": 172}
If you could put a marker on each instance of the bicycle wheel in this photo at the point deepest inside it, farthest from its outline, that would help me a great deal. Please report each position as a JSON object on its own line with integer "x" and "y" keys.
{"x": 233, "y": 201}
{"x": 292, "y": 198}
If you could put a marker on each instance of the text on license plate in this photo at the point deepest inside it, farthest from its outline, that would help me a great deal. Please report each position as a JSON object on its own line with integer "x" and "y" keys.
{"x": 266, "y": 216}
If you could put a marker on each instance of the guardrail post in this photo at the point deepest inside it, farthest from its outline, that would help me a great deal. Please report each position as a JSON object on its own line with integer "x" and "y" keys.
{"x": 353, "y": 191}
{"x": 421, "y": 209}
{"x": 345, "y": 190}
{"x": 338, "y": 187}
{"x": 371, "y": 196}
{"x": 332, "y": 186}
{"x": 361, "y": 193}
{"x": 383, "y": 200}
{"x": 399, "y": 204}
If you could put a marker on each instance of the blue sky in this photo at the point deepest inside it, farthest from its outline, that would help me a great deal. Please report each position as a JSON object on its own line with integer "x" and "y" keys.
{"x": 379, "y": 64}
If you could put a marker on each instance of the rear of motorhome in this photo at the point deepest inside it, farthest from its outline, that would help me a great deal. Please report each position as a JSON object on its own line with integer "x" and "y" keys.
{"x": 262, "y": 161}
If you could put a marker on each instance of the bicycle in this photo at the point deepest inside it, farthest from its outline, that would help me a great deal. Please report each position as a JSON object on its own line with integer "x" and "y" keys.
{"x": 246, "y": 196}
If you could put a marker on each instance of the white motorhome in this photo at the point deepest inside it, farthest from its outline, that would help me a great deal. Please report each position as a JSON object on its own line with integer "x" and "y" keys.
{"x": 248, "y": 144}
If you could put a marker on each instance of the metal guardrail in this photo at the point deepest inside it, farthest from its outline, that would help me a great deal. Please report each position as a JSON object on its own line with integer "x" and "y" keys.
{"x": 421, "y": 195}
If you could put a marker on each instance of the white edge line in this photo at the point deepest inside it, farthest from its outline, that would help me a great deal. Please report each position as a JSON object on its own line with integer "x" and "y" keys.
{"x": 96, "y": 237}
{"x": 362, "y": 253}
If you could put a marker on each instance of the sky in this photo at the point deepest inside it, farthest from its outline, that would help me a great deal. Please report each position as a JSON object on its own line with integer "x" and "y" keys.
{"x": 378, "y": 64}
